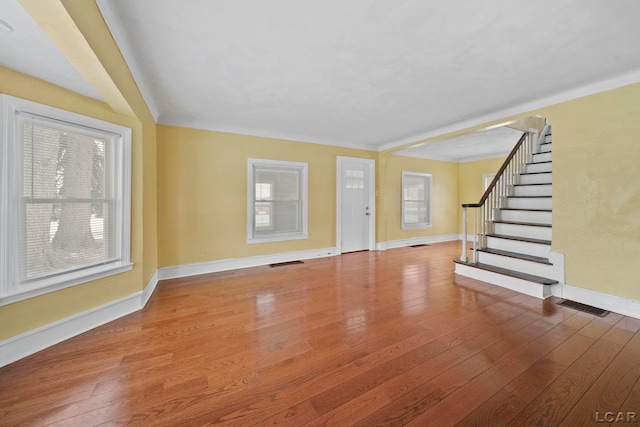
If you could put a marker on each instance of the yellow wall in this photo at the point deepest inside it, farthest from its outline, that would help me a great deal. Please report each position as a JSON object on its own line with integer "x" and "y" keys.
{"x": 117, "y": 86}
{"x": 596, "y": 189}
{"x": 470, "y": 185}
{"x": 88, "y": 19}
{"x": 202, "y": 193}
{"x": 200, "y": 214}
{"x": 444, "y": 199}
{"x": 34, "y": 312}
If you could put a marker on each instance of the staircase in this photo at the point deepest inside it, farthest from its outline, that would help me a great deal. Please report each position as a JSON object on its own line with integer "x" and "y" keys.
{"x": 513, "y": 246}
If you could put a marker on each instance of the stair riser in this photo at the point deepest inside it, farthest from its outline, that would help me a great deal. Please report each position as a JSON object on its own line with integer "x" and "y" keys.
{"x": 524, "y": 203}
{"x": 532, "y": 190}
{"x": 531, "y": 231}
{"x": 542, "y": 157}
{"x": 545, "y": 148}
{"x": 539, "y": 178}
{"x": 538, "y": 167}
{"x": 518, "y": 285}
{"x": 528, "y": 248}
{"x": 516, "y": 264}
{"x": 526, "y": 216}
{"x": 547, "y": 138}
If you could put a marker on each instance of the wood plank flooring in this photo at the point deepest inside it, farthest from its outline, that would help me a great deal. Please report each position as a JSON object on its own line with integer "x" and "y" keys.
{"x": 365, "y": 339}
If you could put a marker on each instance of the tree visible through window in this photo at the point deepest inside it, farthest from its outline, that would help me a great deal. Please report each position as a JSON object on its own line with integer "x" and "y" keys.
{"x": 67, "y": 205}
{"x": 70, "y": 213}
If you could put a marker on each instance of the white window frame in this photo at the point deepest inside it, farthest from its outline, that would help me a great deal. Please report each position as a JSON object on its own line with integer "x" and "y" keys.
{"x": 11, "y": 288}
{"x": 303, "y": 169}
{"x": 428, "y": 199}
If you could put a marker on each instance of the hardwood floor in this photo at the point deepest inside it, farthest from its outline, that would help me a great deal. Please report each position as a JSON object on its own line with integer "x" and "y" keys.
{"x": 366, "y": 339}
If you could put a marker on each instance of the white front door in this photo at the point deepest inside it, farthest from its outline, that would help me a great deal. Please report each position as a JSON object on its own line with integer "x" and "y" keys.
{"x": 356, "y": 199}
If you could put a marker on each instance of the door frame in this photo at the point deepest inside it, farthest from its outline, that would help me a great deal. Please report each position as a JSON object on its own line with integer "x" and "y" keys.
{"x": 371, "y": 164}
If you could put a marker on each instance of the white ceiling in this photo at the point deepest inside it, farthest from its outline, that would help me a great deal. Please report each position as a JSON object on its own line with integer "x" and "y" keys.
{"x": 485, "y": 144}
{"x": 361, "y": 73}
{"x": 28, "y": 49}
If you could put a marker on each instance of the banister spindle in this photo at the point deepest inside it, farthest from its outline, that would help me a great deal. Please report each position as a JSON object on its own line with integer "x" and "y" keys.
{"x": 463, "y": 256}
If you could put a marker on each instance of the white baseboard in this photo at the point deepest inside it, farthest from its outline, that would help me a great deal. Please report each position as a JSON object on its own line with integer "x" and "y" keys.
{"x": 393, "y": 244}
{"x": 25, "y": 344}
{"x": 613, "y": 303}
{"x": 30, "y": 342}
{"x": 236, "y": 263}
{"x": 149, "y": 289}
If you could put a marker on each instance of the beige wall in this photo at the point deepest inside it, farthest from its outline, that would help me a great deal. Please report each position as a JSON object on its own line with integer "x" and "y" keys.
{"x": 200, "y": 213}
{"x": 88, "y": 19}
{"x": 596, "y": 189}
{"x": 202, "y": 193}
{"x": 34, "y": 312}
{"x": 105, "y": 68}
{"x": 445, "y": 197}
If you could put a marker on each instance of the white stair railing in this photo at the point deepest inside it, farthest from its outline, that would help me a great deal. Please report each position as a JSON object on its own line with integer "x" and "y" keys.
{"x": 486, "y": 210}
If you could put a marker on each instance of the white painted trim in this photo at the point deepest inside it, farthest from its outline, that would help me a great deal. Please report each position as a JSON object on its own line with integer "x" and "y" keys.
{"x": 428, "y": 179}
{"x": 303, "y": 170}
{"x": 11, "y": 288}
{"x": 149, "y": 289}
{"x": 25, "y": 344}
{"x": 30, "y": 342}
{"x": 262, "y": 133}
{"x": 578, "y": 92}
{"x": 513, "y": 283}
{"x": 617, "y": 304}
{"x": 402, "y": 243}
{"x": 558, "y": 267}
{"x": 46, "y": 286}
{"x": 372, "y": 199}
{"x": 236, "y": 263}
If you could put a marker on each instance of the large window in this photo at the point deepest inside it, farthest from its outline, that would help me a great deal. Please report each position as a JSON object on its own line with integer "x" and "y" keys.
{"x": 277, "y": 200}
{"x": 416, "y": 200}
{"x": 65, "y": 199}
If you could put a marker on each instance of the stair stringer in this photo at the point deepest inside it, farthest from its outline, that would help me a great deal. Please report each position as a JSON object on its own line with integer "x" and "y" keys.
{"x": 555, "y": 271}
{"x": 558, "y": 272}
{"x": 513, "y": 283}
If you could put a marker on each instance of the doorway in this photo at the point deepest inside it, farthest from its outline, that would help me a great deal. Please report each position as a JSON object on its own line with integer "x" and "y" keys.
{"x": 355, "y": 204}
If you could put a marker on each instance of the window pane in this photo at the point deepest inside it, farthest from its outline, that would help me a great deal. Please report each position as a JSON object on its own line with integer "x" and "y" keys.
{"x": 263, "y": 217}
{"x": 68, "y": 219}
{"x": 415, "y": 212}
{"x": 263, "y": 190}
{"x": 286, "y": 217}
{"x": 416, "y": 199}
{"x": 354, "y": 178}
{"x": 277, "y": 205}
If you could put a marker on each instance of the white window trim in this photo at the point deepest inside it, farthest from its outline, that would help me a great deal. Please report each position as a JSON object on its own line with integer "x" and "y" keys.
{"x": 304, "y": 167}
{"x": 10, "y": 289}
{"x": 428, "y": 224}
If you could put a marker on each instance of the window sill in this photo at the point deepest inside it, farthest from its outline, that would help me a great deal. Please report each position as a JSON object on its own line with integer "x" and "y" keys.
{"x": 267, "y": 239}
{"x": 416, "y": 227}
{"x": 46, "y": 286}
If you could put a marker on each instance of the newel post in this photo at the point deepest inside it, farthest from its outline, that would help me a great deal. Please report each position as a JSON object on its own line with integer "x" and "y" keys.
{"x": 463, "y": 257}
